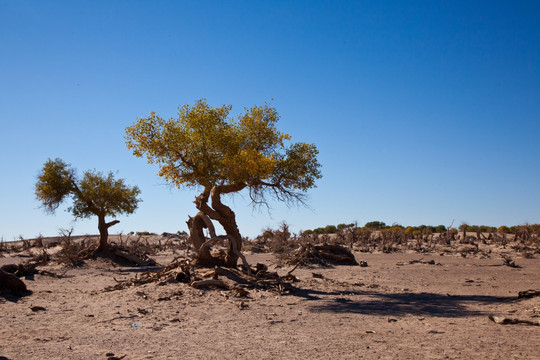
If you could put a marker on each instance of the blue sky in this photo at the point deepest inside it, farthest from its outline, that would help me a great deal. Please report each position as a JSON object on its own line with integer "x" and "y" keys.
{"x": 424, "y": 112}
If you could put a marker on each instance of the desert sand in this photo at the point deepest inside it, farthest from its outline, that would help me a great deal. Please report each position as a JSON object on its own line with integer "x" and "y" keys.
{"x": 403, "y": 305}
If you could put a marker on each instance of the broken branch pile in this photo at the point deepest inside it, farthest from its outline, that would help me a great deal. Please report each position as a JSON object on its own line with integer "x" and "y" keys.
{"x": 179, "y": 270}
{"x": 324, "y": 254}
{"x": 238, "y": 282}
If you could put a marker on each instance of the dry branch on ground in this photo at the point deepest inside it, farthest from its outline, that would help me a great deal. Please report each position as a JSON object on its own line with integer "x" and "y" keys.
{"x": 510, "y": 321}
{"x": 237, "y": 281}
{"x": 324, "y": 254}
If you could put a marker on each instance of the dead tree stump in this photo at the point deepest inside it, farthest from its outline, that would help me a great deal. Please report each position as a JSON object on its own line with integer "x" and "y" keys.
{"x": 10, "y": 284}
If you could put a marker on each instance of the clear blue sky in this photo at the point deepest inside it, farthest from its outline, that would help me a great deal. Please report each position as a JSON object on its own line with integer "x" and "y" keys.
{"x": 424, "y": 112}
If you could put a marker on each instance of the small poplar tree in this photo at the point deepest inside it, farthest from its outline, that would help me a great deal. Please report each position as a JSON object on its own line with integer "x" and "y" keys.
{"x": 93, "y": 195}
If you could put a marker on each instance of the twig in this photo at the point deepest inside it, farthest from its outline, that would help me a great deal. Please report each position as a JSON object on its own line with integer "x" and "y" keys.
{"x": 120, "y": 317}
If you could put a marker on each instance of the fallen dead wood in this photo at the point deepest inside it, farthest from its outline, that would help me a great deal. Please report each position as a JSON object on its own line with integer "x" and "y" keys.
{"x": 508, "y": 321}
{"x": 28, "y": 269}
{"x": 324, "y": 254}
{"x": 211, "y": 274}
{"x": 235, "y": 280}
{"x": 209, "y": 283}
{"x": 51, "y": 274}
{"x": 179, "y": 270}
{"x": 528, "y": 294}
{"x": 134, "y": 258}
{"x": 421, "y": 261}
{"x": 20, "y": 270}
{"x": 119, "y": 318}
{"x": 508, "y": 261}
{"x": 11, "y": 284}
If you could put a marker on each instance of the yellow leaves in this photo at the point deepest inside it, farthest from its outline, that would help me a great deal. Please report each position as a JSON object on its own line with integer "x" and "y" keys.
{"x": 54, "y": 183}
{"x": 98, "y": 194}
{"x": 248, "y": 164}
{"x": 204, "y": 147}
{"x": 93, "y": 195}
{"x": 257, "y": 127}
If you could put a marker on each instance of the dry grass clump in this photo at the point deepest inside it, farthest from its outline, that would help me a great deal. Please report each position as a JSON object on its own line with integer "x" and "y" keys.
{"x": 73, "y": 253}
{"x": 508, "y": 261}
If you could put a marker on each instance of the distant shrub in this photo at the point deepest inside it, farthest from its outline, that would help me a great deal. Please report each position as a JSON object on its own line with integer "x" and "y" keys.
{"x": 144, "y": 233}
{"x": 440, "y": 229}
{"x": 376, "y": 225}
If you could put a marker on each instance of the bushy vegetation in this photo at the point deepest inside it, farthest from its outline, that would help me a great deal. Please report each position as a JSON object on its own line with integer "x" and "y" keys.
{"x": 378, "y": 236}
{"x": 521, "y": 230}
{"x": 95, "y": 194}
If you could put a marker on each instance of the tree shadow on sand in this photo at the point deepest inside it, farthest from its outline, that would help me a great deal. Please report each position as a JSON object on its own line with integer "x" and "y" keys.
{"x": 401, "y": 304}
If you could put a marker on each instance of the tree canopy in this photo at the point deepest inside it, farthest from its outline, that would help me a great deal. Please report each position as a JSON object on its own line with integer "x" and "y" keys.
{"x": 93, "y": 195}
{"x": 204, "y": 147}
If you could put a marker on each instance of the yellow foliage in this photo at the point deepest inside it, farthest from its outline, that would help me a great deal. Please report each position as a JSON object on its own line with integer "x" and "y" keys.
{"x": 204, "y": 147}
{"x": 94, "y": 194}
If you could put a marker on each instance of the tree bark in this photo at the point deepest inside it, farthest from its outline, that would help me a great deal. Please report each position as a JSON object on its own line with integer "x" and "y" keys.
{"x": 226, "y": 218}
{"x": 228, "y": 222}
{"x": 104, "y": 232}
{"x": 196, "y": 225}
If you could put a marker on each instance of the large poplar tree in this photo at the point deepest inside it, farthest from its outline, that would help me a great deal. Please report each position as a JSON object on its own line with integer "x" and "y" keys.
{"x": 204, "y": 148}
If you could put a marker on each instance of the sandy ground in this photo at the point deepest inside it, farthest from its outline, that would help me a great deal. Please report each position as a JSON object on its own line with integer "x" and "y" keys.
{"x": 389, "y": 310}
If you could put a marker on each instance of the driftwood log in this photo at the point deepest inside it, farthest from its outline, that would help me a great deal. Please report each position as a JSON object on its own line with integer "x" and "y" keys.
{"x": 528, "y": 294}
{"x": 209, "y": 283}
{"x": 11, "y": 284}
{"x": 508, "y": 321}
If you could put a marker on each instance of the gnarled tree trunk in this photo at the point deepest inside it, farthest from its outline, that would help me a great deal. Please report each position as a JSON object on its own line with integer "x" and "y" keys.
{"x": 226, "y": 218}
{"x": 196, "y": 225}
{"x": 104, "y": 232}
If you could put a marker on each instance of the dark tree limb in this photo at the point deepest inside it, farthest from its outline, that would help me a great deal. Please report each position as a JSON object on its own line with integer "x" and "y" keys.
{"x": 528, "y": 294}
{"x": 112, "y": 223}
{"x": 201, "y": 202}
